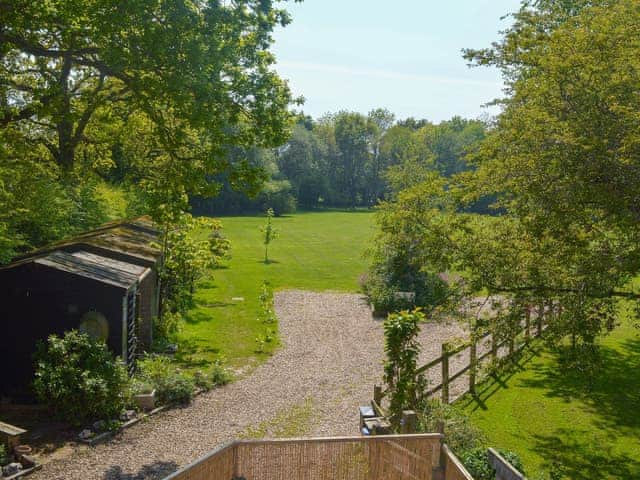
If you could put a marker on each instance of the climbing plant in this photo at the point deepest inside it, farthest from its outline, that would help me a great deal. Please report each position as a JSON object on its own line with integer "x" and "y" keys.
{"x": 405, "y": 386}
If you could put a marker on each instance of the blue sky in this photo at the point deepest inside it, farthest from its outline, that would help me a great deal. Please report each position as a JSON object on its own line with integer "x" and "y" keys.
{"x": 402, "y": 55}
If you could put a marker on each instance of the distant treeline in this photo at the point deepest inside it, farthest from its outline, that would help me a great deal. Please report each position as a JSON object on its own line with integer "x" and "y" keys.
{"x": 348, "y": 160}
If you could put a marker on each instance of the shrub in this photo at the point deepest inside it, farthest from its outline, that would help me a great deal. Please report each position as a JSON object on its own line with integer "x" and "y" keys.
{"x": 171, "y": 386}
{"x": 382, "y": 297}
{"x": 394, "y": 269}
{"x": 460, "y": 434}
{"x": 175, "y": 389}
{"x": 477, "y": 463}
{"x": 220, "y": 375}
{"x": 79, "y": 378}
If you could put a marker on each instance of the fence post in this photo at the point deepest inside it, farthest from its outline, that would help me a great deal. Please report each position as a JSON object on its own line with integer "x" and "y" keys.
{"x": 494, "y": 347}
{"x": 377, "y": 394}
{"x": 512, "y": 344}
{"x": 540, "y": 318}
{"x": 527, "y": 324}
{"x": 472, "y": 364}
{"x": 408, "y": 422}
{"x": 445, "y": 373}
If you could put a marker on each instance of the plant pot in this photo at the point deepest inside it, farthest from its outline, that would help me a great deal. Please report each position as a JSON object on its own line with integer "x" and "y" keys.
{"x": 20, "y": 450}
{"x": 146, "y": 401}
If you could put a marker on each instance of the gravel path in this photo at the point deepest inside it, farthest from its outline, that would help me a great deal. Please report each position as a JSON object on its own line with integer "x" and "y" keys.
{"x": 332, "y": 357}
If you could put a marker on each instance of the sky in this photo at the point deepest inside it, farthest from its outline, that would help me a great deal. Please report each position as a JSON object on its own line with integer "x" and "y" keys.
{"x": 403, "y": 55}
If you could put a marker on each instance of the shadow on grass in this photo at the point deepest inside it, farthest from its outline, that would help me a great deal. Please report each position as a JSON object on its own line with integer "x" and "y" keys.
{"x": 612, "y": 399}
{"x": 197, "y": 316}
{"x": 496, "y": 382}
{"x": 188, "y": 348}
{"x": 574, "y": 455}
{"x": 613, "y": 395}
{"x": 156, "y": 470}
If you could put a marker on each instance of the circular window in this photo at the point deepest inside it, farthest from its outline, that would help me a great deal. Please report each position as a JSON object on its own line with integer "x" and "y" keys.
{"x": 95, "y": 325}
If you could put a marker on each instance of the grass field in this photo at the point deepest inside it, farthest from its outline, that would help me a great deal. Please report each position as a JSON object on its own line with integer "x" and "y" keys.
{"x": 315, "y": 251}
{"x": 553, "y": 420}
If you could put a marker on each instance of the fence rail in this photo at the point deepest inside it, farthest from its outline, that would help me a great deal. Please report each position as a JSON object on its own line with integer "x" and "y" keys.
{"x": 389, "y": 457}
{"x": 514, "y": 344}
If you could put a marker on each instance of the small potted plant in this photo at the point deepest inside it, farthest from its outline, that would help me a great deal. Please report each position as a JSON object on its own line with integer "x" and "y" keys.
{"x": 145, "y": 395}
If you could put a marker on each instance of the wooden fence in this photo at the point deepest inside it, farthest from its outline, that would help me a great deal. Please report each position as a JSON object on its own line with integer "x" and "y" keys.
{"x": 390, "y": 457}
{"x": 488, "y": 342}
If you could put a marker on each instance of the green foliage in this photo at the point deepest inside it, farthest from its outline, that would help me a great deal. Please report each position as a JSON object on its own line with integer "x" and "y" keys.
{"x": 176, "y": 389}
{"x": 267, "y": 312}
{"x": 165, "y": 327}
{"x": 102, "y": 73}
{"x": 476, "y": 462}
{"x": 79, "y": 378}
{"x": 5, "y": 458}
{"x": 269, "y": 233}
{"x": 394, "y": 269}
{"x": 405, "y": 388}
{"x": 186, "y": 259}
{"x": 218, "y": 375}
{"x": 460, "y": 435}
{"x": 383, "y": 297}
{"x": 172, "y": 387}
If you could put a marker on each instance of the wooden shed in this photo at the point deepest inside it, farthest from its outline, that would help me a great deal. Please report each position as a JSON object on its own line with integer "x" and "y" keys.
{"x": 104, "y": 282}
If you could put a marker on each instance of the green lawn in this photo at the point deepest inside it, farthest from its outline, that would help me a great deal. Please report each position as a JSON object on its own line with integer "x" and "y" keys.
{"x": 315, "y": 251}
{"x": 548, "y": 415}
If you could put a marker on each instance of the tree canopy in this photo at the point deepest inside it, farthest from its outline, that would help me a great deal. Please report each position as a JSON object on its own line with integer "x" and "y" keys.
{"x": 163, "y": 90}
{"x": 563, "y": 165}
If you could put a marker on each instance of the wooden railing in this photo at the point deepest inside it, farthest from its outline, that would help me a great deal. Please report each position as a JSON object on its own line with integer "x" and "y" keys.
{"x": 390, "y": 457}
{"x": 513, "y": 344}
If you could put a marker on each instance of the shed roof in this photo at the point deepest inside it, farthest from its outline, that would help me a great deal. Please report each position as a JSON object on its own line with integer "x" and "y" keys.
{"x": 136, "y": 237}
{"x": 96, "y": 267}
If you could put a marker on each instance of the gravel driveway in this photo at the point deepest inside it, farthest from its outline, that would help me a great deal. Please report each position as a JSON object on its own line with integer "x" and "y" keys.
{"x": 331, "y": 358}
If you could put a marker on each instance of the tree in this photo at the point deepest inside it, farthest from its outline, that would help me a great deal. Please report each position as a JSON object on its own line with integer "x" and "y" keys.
{"x": 352, "y": 135}
{"x": 303, "y": 161}
{"x": 565, "y": 142}
{"x": 380, "y": 121}
{"x": 201, "y": 73}
{"x": 269, "y": 233}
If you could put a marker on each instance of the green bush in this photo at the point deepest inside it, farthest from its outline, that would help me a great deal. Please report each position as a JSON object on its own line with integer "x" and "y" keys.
{"x": 175, "y": 389}
{"x": 172, "y": 387}
{"x": 460, "y": 435}
{"x": 220, "y": 375}
{"x": 477, "y": 464}
{"x": 382, "y": 297}
{"x": 393, "y": 270}
{"x": 79, "y": 378}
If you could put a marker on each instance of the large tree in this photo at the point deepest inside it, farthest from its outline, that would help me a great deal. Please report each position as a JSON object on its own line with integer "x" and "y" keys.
{"x": 199, "y": 70}
{"x": 563, "y": 162}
